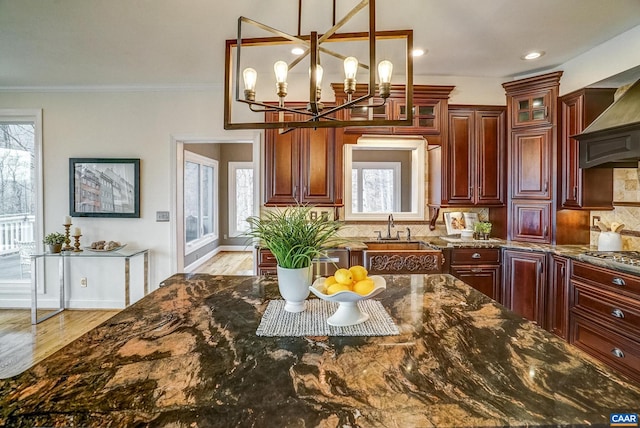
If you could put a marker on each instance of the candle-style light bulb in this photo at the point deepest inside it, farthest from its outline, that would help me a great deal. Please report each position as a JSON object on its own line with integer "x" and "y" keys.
{"x": 350, "y": 70}
{"x": 385, "y": 69}
{"x": 281, "y": 68}
{"x": 250, "y": 77}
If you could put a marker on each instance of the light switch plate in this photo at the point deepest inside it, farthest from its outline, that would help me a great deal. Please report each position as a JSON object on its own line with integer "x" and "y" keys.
{"x": 162, "y": 215}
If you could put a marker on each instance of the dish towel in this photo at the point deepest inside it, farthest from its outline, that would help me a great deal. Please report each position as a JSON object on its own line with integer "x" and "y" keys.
{"x": 313, "y": 320}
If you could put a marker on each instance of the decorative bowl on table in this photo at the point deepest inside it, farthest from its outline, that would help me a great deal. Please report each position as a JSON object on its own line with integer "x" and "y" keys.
{"x": 348, "y": 312}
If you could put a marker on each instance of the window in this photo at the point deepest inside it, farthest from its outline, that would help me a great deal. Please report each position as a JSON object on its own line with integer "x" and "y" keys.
{"x": 240, "y": 196}
{"x": 375, "y": 187}
{"x": 200, "y": 200}
{"x": 20, "y": 195}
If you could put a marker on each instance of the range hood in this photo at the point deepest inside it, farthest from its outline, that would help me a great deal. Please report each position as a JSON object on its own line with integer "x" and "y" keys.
{"x": 613, "y": 138}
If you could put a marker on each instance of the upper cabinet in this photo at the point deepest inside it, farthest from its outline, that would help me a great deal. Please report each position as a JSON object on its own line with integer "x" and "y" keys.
{"x": 535, "y": 108}
{"x": 591, "y": 188}
{"x": 429, "y": 110}
{"x": 302, "y": 166}
{"x": 474, "y": 156}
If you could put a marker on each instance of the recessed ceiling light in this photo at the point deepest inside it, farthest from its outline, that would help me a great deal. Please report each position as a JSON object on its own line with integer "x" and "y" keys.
{"x": 417, "y": 52}
{"x": 297, "y": 51}
{"x": 532, "y": 55}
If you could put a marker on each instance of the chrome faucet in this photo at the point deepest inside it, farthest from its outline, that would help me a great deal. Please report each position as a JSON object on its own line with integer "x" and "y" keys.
{"x": 390, "y": 224}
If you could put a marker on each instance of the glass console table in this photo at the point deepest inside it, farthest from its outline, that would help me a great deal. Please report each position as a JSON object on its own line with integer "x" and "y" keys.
{"x": 124, "y": 253}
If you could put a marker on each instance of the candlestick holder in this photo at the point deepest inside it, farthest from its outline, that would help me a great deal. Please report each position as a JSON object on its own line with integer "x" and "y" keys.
{"x": 67, "y": 240}
{"x": 77, "y": 248}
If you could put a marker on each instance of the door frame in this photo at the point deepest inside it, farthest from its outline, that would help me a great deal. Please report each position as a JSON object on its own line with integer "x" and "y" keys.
{"x": 176, "y": 185}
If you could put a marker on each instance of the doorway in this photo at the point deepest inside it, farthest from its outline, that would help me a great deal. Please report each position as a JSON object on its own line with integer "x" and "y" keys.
{"x": 216, "y": 185}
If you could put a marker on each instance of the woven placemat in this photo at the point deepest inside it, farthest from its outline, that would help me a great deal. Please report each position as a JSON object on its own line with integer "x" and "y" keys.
{"x": 313, "y": 320}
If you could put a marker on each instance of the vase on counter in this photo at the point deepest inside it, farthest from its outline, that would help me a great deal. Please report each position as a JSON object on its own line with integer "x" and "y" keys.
{"x": 293, "y": 285}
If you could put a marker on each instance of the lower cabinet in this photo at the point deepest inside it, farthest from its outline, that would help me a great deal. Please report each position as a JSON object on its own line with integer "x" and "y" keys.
{"x": 558, "y": 297}
{"x": 605, "y": 316}
{"x": 338, "y": 258}
{"x": 479, "y": 268}
{"x": 523, "y": 284}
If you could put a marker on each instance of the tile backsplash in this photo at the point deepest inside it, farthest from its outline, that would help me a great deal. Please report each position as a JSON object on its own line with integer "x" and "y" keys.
{"x": 626, "y": 188}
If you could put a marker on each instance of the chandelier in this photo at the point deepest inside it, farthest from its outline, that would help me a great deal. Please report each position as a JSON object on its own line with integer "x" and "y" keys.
{"x": 317, "y": 52}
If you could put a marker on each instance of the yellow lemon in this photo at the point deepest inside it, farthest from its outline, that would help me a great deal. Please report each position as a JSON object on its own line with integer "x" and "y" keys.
{"x": 364, "y": 286}
{"x": 358, "y": 273}
{"x": 330, "y": 280}
{"x": 343, "y": 276}
{"x": 334, "y": 288}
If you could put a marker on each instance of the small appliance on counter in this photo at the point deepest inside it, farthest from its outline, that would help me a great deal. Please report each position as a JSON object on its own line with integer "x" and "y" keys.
{"x": 610, "y": 240}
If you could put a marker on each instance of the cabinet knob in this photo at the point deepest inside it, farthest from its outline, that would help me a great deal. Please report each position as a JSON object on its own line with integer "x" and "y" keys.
{"x": 617, "y": 313}
{"x": 575, "y": 192}
{"x": 617, "y": 353}
{"x": 618, "y": 281}
{"x": 476, "y": 256}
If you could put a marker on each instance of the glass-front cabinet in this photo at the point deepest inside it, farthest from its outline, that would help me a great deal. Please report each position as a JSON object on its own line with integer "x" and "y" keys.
{"x": 427, "y": 116}
{"x": 531, "y": 109}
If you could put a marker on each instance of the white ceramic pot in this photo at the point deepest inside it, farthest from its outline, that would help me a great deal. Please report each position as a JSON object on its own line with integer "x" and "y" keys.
{"x": 294, "y": 287}
{"x": 609, "y": 241}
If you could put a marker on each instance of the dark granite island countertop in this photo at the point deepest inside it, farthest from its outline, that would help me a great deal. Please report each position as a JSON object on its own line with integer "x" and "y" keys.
{"x": 187, "y": 355}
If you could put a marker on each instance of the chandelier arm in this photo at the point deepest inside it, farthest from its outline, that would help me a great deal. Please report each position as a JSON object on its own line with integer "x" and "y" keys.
{"x": 344, "y": 106}
{"x": 274, "y": 31}
{"x": 326, "y": 51}
{"x": 344, "y": 20}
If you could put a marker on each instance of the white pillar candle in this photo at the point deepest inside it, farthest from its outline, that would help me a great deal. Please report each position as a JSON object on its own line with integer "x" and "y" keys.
{"x": 77, "y": 231}
{"x": 67, "y": 220}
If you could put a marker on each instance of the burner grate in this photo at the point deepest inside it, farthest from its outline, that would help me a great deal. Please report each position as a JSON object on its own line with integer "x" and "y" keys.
{"x": 625, "y": 257}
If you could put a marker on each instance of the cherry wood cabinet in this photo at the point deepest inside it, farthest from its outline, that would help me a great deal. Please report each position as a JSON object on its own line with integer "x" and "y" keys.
{"x": 523, "y": 285}
{"x": 532, "y": 157}
{"x": 591, "y": 188}
{"x": 430, "y": 104}
{"x": 605, "y": 316}
{"x": 531, "y": 221}
{"x": 478, "y": 267}
{"x": 302, "y": 166}
{"x": 473, "y": 157}
{"x": 558, "y": 297}
{"x": 531, "y": 164}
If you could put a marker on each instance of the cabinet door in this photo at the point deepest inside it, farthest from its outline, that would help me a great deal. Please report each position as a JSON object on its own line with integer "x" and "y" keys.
{"x": 530, "y": 221}
{"x": 427, "y": 115}
{"x": 485, "y": 279}
{"x": 531, "y": 164}
{"x": 557, "y": 297}
{"x": 317, "y": 166}
{"x": 532, "y": 109}
{"x": 523, "y": 284}
{"x": 282, "y": 166}
{"x": 459, "y": 154}
{"x": 583, "y": 188}
{"x": 490, "y": 158}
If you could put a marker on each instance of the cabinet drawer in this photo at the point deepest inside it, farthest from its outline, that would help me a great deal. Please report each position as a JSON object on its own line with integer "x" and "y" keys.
{"x": 466, "y": 256}
{"x": 613, "y": 309}
{"x": 612, "y": 280}
{"x": 611, "y": 348}
{"x": 267, "y": 258}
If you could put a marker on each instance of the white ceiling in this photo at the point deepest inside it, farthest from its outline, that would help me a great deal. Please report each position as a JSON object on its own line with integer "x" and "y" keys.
{"x": 161, "y": 43}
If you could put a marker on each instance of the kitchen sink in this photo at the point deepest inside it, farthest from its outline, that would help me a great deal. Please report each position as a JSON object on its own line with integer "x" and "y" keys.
{"x": 397, "y": 245}
{"x": 401, "y": 257}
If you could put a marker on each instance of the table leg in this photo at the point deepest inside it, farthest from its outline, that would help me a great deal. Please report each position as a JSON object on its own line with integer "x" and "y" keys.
{"x": 146, "y": 273}
{"x": 34, "y": 292}
{"x": 127, "y": 298}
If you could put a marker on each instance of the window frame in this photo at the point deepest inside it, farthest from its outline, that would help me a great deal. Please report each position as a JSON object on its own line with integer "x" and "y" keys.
{"x": 397, "y": 180}
{"x": 20, "y": 286}
{"x": 231, "y": 184}
{"x": 201, "y": 241}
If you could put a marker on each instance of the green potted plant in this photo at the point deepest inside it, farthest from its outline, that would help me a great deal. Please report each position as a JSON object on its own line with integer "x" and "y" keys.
{"x": 482, "y": 229}
{"x": 295, "y": 240}
{"x": 54, "y": 240}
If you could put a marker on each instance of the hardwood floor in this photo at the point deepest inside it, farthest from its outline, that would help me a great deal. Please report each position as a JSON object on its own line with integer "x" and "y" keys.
{"x": 23, "y": 345}
{"x": 229, "y": 263}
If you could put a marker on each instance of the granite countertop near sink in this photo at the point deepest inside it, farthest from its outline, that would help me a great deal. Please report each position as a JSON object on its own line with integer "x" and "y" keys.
{"x": 187, "y": 355}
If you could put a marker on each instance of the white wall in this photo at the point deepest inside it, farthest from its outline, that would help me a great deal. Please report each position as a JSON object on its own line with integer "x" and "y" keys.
{"x": 117, "y": 124}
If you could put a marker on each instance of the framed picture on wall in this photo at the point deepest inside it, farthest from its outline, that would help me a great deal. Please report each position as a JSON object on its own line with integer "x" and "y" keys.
{"x": 457, "y": 221}
{"x": 108, "y": 187}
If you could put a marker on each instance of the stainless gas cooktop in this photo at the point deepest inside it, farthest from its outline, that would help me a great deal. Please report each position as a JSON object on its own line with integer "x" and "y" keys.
{"x": 625, "y": 260}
